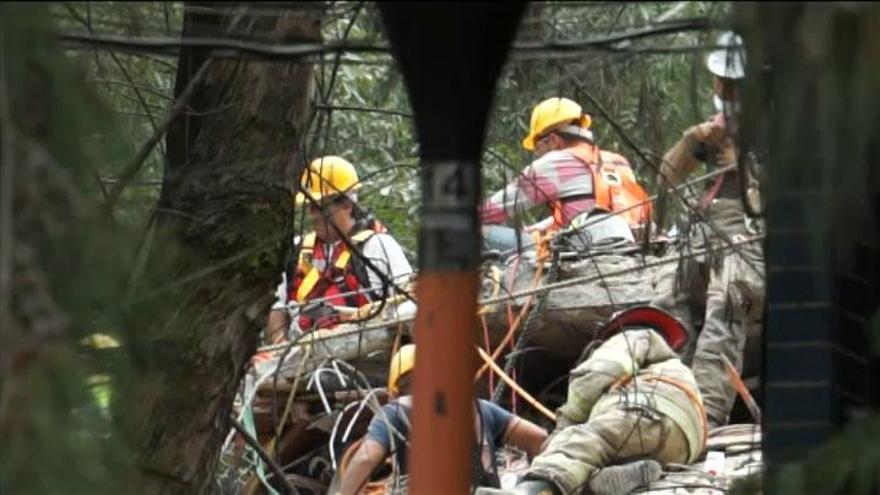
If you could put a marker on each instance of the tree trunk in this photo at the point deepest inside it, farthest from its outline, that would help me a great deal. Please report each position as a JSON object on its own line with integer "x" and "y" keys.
{"x": 226, "y": 207}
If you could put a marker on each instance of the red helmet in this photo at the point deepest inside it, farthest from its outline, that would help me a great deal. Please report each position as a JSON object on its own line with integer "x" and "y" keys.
{"x": 656, "y": 319}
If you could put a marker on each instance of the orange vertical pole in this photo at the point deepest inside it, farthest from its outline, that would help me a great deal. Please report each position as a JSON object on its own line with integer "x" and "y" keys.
{"x": 443, "y": 426}
{"x": 450, "y": 54}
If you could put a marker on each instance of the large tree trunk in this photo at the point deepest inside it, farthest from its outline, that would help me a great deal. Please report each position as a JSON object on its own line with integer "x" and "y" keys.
{"x": 225, "y": 203}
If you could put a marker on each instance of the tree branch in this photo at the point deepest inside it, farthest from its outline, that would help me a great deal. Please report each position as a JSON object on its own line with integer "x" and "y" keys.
{"x": 364, "y": 109}
{"x": 140, "y": 97}
{"x": 137, "y": 162}
{"x": 225, "y": 47}
{"x": 148, "y": 89}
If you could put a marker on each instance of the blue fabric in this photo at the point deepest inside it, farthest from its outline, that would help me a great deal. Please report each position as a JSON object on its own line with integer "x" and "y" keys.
{"x": 494, "y": 419}
{"x": 503, "y": 238}
{"x": 393, "y": 412}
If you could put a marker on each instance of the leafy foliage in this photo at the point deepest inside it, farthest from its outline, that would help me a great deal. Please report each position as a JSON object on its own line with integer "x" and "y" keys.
{"x": 362, "y": 114}
{"x": 67, "y": 270}
{"x": 138, "y": 88}
{"x": 652, "y": 96}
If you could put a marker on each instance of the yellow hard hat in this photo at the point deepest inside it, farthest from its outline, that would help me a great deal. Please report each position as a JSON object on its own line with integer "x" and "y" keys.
{"x": 327, "y": 176}
{"x": 551, "y": 112}
{"x": 403, "y": 361}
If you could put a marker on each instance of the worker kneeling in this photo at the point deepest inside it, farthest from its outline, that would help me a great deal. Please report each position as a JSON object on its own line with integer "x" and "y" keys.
{"x": 494, "y": 426}
{"x": 573, "y": 177}
{"x": 631, "y": 400}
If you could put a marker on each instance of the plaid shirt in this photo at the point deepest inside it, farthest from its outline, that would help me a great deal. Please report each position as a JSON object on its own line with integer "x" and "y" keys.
{"x": 556, "y": 175}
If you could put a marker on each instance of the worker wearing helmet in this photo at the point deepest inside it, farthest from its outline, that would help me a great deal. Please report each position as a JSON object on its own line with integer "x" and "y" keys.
{"x": 570, "y": 174}
{"x": 729, "y": 284}
{"x": 494, "y": 426}
{"x": 326, "y": 269}
{"x": 631, "y": 406}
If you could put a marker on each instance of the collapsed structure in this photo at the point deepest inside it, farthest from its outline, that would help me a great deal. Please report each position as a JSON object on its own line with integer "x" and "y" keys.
{"x": 544, "y": 312}
{"x": 313, "y": 400}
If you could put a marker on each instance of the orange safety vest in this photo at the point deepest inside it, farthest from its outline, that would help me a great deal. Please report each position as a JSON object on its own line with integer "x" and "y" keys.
{"x": 614, "y": 187}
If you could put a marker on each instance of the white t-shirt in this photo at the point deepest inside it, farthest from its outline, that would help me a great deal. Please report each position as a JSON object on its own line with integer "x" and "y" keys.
{"x": 382, "y": 250}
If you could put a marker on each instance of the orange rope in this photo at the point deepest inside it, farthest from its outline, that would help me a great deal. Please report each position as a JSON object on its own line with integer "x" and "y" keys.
{"x": 488, "y": 345}
{"x": 515, "y": 386}
{"x": 742, "y": 389}
{"x": 513, "y": 404}
{"x": 513, "y": 327}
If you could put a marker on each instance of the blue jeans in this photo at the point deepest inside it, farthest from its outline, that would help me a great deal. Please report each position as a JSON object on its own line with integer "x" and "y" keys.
{"x": 503, "y": 238}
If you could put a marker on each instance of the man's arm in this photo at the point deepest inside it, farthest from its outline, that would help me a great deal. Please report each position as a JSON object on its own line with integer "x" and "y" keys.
{"x": 368, "y": 457}
{"x": 503, "y": 204}
{"x": 276, "y": 328}
{"x": 524, "y": 434}
{"x": 680, "y": 161}
{"x": 536, "y": 184}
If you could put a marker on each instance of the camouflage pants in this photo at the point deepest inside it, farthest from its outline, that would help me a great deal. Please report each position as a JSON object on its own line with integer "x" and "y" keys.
{"x": 725, "y": 291}
{"x": 576, "y": 453}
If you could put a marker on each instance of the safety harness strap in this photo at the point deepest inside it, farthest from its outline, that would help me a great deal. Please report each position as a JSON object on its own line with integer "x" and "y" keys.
{"x": 313, "y": 275}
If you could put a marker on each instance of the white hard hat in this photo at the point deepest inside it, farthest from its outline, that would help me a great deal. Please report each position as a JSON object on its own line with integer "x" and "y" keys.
{"x": 728, "y": 62}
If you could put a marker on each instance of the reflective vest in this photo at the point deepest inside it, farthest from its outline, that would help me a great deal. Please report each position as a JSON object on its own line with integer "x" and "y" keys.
{"x": 614, "y": 187}
{"x": 340, "y": 280}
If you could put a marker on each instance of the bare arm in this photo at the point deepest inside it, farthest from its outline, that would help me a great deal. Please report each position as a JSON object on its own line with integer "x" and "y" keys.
{"x": 276, "y": 328}
{"x": 524, "y": 434}
{"x": 680, "y": 161}
{"x": 367, "y": 458}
